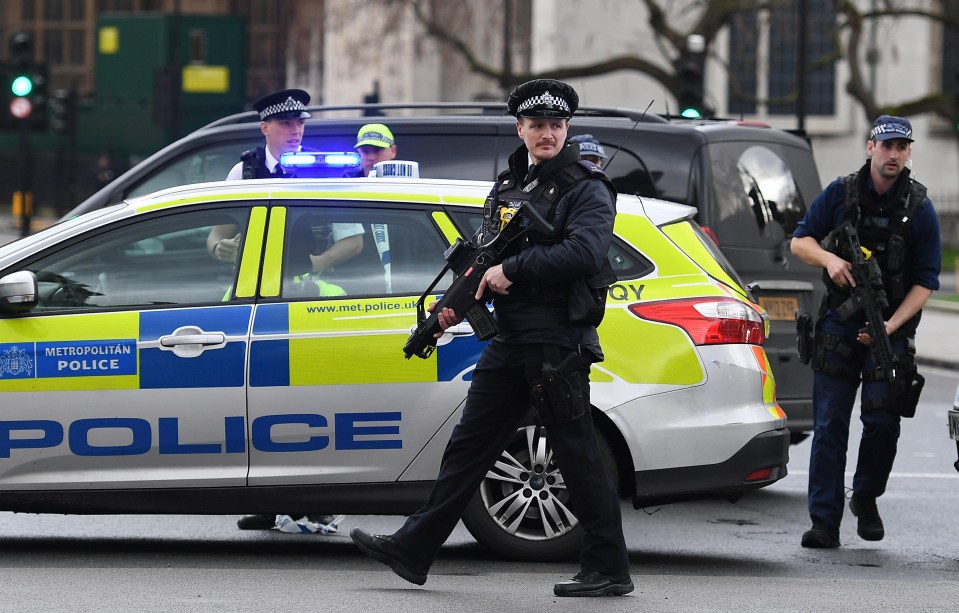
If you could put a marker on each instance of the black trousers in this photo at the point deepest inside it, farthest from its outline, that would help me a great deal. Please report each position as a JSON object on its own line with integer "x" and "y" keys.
{"x": 496, "y": 405}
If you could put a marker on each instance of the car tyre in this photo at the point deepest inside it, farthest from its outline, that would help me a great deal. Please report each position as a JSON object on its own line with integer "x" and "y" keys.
{"x": 521, "y": 510}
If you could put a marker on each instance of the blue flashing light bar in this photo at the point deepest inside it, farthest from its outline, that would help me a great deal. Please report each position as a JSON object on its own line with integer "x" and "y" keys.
{"x": 309, "y": 159}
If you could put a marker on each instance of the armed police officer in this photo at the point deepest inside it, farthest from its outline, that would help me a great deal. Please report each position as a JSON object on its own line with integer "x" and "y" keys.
{"x": 897, "y": 224}
{"x": 546, "y": 343}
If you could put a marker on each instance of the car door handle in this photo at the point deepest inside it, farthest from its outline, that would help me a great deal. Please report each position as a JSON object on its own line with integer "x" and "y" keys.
{"x": 191, "y": 341}
{"x": 209, "y": 338}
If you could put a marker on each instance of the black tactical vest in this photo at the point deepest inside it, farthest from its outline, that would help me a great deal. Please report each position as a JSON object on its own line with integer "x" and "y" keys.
{"x": 886, "y": 232}
{"x": 254, "y": 164}
{"x": 542, "y": 193}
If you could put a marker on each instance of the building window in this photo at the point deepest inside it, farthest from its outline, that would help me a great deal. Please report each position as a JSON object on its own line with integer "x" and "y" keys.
{"x": 743, "y": 63}
{"x": 950, "y": 51}
{"x": 779, "y": 29}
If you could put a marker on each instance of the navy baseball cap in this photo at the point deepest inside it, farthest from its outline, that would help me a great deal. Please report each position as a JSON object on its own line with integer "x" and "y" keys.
{"x": 890, "y": 126}
{"x": 588, "y": 145}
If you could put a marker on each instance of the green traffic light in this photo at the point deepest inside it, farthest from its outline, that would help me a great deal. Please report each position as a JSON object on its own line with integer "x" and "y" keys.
{"x": 21, "y": 86}
{"x": 691, "y": 113}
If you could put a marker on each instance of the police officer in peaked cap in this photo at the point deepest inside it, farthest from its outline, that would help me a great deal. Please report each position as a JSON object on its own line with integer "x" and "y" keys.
{"x": 281, "y": 122}
{"x": 547, "y": 339}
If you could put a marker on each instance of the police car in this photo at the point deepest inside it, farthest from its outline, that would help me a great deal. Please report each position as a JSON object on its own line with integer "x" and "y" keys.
{"x": 138, "y": 374}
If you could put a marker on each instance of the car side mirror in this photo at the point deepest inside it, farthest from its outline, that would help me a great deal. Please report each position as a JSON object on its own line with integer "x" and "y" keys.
{"x": 18, "y": 292}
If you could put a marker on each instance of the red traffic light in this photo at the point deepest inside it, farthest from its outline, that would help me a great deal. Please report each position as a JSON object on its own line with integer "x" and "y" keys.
{"x": 21, "y": 108}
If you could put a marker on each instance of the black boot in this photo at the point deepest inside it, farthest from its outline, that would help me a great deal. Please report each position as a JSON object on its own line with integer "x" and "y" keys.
{"x": 592, "y": 583}
{"x": 256, "y": 522}
{"x": 820, "y": 536}
{"x": 384, "y": 549}
{"x": 870, "y": 526}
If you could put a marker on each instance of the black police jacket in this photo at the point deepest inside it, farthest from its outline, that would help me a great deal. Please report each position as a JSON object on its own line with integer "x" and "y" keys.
{"x": 536, "y": 308}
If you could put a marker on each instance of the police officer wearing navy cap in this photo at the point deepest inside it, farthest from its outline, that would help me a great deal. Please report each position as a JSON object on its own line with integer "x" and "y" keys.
{"x": 590, "y": 149}
{"x": 542, "y": 327}
{"x": 897, "y": 223}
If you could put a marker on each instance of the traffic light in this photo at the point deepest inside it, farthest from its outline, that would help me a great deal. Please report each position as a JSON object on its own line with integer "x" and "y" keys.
{"x": 24, "y": 86}
{"x": 63, "y": 111}
{"x": 690, "y": 96}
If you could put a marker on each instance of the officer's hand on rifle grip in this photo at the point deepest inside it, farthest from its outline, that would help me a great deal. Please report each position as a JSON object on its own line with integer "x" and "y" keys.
{"x": 446, "y": 318}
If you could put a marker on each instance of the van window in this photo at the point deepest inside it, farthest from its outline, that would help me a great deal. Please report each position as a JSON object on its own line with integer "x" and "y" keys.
{"x": 758, "y": 199}
{"x": 201, "y": 165}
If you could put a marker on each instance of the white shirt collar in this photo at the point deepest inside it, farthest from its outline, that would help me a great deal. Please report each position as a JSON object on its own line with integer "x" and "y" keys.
{"x": 271, "y": 161}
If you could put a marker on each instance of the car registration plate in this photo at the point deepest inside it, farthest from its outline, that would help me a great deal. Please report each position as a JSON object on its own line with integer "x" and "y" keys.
{"x": 954, "y": 424}
{"x": 780, "y": 308}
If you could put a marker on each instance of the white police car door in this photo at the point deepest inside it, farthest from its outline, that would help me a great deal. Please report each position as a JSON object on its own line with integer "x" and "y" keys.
{"x": 332, "y": 398}
{"x": 130, "y": 371}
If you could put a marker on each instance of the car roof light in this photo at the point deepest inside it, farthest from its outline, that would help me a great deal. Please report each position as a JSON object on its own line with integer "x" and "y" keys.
{"x": 396, "y": 169}
{"x": 707, "y": 321}
{"x": 313, "y": 159}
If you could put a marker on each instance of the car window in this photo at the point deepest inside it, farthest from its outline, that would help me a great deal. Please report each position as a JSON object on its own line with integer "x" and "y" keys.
{"x": 158, "y": 260}
{"x": 626, "y": 262}
{"x": 759, "y": 201}
{"x": 200, "y": 165}
{"x": 400, "y": 252}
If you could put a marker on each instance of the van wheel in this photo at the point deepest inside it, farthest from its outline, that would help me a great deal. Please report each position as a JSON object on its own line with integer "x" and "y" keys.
{"x": 521, "y": 510}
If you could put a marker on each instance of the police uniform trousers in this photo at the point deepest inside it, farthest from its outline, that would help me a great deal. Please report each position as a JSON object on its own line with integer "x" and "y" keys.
{"x": 833, "y": 400}
{"x": 496, "y": 405}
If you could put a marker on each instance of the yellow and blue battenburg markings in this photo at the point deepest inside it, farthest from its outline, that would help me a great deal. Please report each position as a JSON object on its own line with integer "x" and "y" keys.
{"x": 343, "y": 342}
{"x": 220, "y": 367}
{"x": 100, "y": 351}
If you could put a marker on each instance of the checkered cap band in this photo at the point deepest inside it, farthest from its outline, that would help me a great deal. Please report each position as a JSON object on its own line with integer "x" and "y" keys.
{"x": 290, "y": 104}
{"x": 891, "y": 128}
{"x": 546, "y": 99}
{"x": 590, "y": 148}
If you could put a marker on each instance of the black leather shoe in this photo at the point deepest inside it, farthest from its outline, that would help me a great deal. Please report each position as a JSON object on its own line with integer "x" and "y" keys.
{"x": 821, "y": 537}
{"x": 592, "y": 583}
{"x": 870, "y": 526}
{"x": 256, "y": 522}
{"x": 384, "y": 549}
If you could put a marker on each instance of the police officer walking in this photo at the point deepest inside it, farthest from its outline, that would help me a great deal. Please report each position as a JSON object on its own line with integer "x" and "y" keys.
{"x": 897, "y": 224}
{"x": 540, "y": 332}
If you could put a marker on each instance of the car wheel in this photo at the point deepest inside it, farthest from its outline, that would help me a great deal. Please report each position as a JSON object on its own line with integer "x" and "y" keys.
{"x": 797, "y": 437}
{"x": 521, "y": 510}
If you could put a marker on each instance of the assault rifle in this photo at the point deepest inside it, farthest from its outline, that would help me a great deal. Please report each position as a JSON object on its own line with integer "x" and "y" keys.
{"x": 868, "y": 296}
{"x": 469, "y": 262}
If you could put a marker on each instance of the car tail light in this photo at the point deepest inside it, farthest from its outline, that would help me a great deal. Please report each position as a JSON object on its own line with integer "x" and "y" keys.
{"x": 708, "y": 321}
{"x": 711, "y": 234}
{"x": 759, "y": 475}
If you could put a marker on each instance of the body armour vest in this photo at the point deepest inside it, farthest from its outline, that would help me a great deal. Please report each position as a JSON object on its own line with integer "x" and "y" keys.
{"x": 254, "y": 165}
{"x": 885, "y": 232}
{"x": 556, "y": 178}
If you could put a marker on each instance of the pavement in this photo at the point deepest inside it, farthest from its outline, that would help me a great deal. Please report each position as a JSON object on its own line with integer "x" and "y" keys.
{"x": 937, "y": 340}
